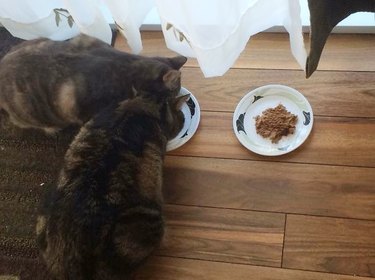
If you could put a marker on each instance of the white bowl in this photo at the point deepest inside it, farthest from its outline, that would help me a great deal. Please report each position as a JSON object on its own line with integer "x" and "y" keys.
{"x": 262, "y": 98}
{"x": 192, "y": 113}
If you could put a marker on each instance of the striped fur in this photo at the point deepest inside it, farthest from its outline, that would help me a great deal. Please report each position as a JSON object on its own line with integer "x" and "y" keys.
{"x": 105, "y": 215}
{"x": 50, "y": 85}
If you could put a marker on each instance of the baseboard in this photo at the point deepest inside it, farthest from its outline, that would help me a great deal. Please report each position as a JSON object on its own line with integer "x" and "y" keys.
{"x": 280, "y": 29}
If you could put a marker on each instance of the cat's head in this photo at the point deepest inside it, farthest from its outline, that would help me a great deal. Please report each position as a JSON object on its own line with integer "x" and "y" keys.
{"x": 169, "y": 109}
{"x": 160, "y": 75}
{"x": 172, "y": 118}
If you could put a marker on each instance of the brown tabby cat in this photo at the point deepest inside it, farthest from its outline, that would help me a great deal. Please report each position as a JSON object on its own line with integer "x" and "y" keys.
{"x": 105, "y": 215}
{"x": 50, "y": 85}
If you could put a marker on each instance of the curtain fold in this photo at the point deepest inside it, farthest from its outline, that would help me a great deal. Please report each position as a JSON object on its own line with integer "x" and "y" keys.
{"x": 217, "y": 39}
{"x": 129, "y": 16}
{"x": 213, "y": 31}
{"x": 89, "y": 18}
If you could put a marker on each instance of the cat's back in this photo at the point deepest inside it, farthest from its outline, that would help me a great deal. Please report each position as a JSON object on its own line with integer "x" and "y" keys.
{"x": 31, "y": 62}
{"x": 37, "y": 47}
{"x": 29, "y": 59}
{"x": 43, "y": 50}
{"x": 117, "y": 202}
{"x": 80, "y": 42}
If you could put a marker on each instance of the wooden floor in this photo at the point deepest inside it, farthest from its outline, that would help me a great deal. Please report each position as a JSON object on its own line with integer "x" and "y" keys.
{"x": 310, "y": 214}
{"x": 232, "y": 214}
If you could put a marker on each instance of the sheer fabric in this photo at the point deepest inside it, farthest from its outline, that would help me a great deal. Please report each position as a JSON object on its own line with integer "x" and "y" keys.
{"x": 213, "y": 31}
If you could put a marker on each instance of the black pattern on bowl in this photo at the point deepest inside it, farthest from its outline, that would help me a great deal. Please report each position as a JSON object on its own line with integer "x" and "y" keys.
{"x": 239, "y": 123}
{"x": 191, "y": 106}
{"x": 257, "y": 97}
{"x": 185, "y": 134}
{"x": 307, "y": 118}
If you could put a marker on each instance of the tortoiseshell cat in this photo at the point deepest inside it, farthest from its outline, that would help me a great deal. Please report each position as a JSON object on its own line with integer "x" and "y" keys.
{"x": 50, "y": 85}
{"x": 105, "y": 215}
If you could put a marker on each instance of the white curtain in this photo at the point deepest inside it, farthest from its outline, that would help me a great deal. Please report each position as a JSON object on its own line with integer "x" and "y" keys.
{"x": 213, "y": 31}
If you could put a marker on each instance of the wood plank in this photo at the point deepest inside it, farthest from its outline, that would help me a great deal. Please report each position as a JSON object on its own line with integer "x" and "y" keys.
{"x": 207, "y": 237}
{"x": 224, "y": 235}
{"x": 331, "y": 245}
{"x": 183, "y": 269}
{"x": 347, "y": 94}
{"x": 344, "y": 52}
{"x": 337, "y": 141}
{"x": 264, "y": 186}
{"x": 196, "y": 232}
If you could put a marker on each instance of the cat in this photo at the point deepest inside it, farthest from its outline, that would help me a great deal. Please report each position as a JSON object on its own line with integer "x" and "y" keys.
{"x": 51, "y": 85}
{"x": 104, "y": 217}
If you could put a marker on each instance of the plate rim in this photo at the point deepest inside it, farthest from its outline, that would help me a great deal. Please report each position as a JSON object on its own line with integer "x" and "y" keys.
{"x": 251, "y": 93}
{"x": 195, "y": 124}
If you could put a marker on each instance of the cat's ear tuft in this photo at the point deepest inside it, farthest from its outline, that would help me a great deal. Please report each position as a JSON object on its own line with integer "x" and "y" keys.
{"x": 172, "y": 79}
{"x": 180, "y": 100}
{"x": 178, "y": 61}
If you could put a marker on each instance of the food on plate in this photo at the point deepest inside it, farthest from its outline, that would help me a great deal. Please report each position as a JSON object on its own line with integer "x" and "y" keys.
{"x": 274, "y": 123}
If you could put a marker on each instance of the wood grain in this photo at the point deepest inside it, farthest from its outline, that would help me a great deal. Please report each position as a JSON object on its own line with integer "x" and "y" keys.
{"x": 330, "y": 93}
{"x": 226, "y": 206}
{"x": 162, "y": 268}
{"x": 271, "y": 186}
{"x": 344, "y": 52}
{"x": 336, "y": 141}
{"x": 224, "y": 235}
{"x": 331, "y": 245}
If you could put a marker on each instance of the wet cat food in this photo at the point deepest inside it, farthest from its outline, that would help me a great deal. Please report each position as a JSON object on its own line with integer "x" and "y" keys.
{"x": 274, "y": 123}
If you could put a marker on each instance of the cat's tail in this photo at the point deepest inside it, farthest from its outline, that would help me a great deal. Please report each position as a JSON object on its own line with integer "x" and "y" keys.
{"x": 138, "y": 233}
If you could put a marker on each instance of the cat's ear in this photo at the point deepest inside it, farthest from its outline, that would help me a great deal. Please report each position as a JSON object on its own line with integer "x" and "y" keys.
{"x": 180, "y": 100}
{"x": 172, "y": 79}
{"x": 177, "y": 62}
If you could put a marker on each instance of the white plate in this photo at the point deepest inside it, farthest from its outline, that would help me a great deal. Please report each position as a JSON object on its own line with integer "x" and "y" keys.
{"x": 192, "y": 114}
{"x": 262, "y": 98}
